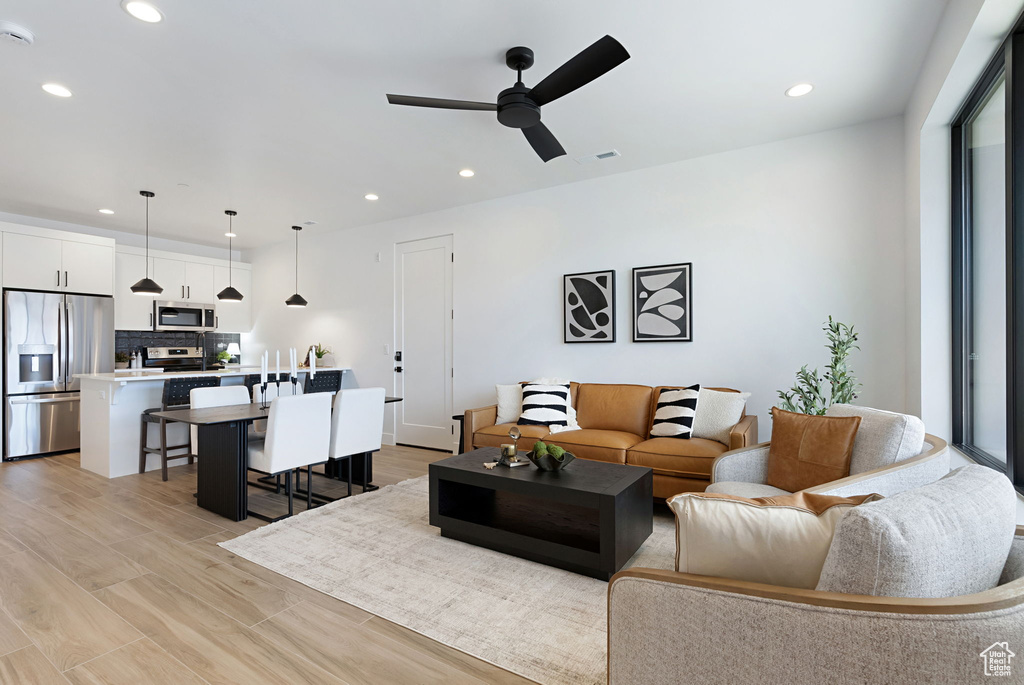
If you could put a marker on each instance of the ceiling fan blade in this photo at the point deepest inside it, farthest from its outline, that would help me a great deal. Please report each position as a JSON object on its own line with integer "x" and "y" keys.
{"x": 441, "y": 103}
{"x": 543, "y": 142}
{"x": 600, "y": 58}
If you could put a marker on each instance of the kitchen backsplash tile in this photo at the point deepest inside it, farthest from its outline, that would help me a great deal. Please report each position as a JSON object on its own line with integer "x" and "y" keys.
{"x": 130, "y": 341}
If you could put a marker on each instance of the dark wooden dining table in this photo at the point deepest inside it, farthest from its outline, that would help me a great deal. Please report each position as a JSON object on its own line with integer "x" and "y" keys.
{"x": 223, "y": 451}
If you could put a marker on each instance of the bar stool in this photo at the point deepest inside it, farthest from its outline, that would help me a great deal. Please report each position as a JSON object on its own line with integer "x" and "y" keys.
{"x": 176, "y": 394}
{"x": 325, "y": 381}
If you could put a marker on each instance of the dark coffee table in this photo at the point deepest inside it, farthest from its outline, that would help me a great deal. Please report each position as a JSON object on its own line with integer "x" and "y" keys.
{"x": 589, "y": 518}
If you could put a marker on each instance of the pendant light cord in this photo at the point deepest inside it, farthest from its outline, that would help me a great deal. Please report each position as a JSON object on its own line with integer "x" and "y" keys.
{"x": 231, "y": 235}
{"x": 296, "y": 261}
{"x": 147, "y": 236}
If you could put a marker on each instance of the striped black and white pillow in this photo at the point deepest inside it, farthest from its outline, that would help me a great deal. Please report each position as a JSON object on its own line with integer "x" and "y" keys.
{"x": 545, "y": 405}
{"x": 674, "y": 416}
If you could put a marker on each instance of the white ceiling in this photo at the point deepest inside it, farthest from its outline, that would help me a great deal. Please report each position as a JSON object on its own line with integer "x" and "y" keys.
{"x": 277, "y": 109}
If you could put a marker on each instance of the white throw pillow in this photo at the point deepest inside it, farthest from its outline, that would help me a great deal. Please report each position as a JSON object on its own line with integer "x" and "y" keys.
{"x": 510, "y": 403}
{"x": 545, "y": 405}
{"x": 573, "y": 424}
{"x": 717, "y": 413}
{"x": 776, "y": 540}
{"x": 674, "y": 412}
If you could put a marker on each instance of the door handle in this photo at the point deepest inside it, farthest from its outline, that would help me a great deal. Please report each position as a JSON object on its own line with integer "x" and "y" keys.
{"x": 43, "y": 400}
{"x": 189, "y": 295}
{"x": 183, "y": 292}
{"x": 65, "y": 279}
{"x": 398, "y": 369}
{"x": 58, "y": 278}
{"x": 151, "y": 319}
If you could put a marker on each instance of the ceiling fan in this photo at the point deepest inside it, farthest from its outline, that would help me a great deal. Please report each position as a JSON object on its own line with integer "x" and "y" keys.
{"x": 519, "y": 106}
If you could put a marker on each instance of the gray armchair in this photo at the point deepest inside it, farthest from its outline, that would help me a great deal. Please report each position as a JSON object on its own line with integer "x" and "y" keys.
{"x": 927, "y": 587}
{"x": 891, "y": 453}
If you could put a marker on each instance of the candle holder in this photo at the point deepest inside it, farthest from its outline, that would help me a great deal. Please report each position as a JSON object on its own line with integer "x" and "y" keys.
{"x": 278, "y": 381}
{"x": 295, "y": 385}
{"x": 263, "y": 397}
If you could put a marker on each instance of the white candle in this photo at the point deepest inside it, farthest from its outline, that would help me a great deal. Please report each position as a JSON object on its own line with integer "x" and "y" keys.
{"x": 279, "y": 365}
{"x": 312, "y": 364}
{"x": 263, "y": 368}
{"x": 292, "y": 358}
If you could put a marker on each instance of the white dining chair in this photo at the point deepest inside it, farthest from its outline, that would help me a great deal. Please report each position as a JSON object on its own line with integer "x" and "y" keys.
{"x": 259, "y": 428}
{"x": 357, "y": 426}
{"x": 217, "y": 396}
{"x": 298, "y": 435}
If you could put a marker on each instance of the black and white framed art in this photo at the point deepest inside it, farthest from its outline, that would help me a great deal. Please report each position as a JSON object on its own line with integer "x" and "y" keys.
{"x": 588, "y": 307}
{"x": 662, "y": 303}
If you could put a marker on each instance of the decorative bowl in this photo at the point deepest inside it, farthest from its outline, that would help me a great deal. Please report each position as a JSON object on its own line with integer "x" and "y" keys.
{"x": 546, "y": 462}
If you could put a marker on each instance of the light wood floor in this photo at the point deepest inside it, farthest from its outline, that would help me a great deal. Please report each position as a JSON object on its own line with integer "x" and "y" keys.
{"x": 122, "y": 581}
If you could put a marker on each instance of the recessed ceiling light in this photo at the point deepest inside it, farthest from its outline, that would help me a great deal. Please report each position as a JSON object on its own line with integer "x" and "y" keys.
{"x": 799, "y": 89}
{"x": 467, "y": 173}
{"x": 57, "y": 89}
{"x": 142, "y": 11}
{"x": 371, "y": 197}
{"x": 106, "y": 211}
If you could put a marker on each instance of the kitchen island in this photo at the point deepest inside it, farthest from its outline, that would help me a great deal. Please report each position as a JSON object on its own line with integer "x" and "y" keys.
{"x": 112, "y": 406}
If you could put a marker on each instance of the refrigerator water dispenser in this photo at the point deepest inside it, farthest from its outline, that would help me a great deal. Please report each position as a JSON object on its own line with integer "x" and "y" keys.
{"x": 36, "y": 363}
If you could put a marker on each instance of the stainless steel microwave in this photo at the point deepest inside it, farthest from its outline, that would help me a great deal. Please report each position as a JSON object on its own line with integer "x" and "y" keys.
{"x": 184, "y": 316}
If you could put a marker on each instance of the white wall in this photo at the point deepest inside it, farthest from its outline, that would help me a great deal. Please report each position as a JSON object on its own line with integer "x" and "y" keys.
{"x": 780, "y": 236}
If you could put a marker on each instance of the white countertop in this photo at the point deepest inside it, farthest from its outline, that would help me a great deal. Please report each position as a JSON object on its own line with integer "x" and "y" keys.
{"x": 133, "y": 375}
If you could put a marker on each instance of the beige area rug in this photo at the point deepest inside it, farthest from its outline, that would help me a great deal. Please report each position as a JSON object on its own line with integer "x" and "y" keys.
{"x": 378, "y": 552}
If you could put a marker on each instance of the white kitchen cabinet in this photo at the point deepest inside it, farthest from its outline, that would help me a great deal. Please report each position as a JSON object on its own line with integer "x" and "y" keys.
{"x": 169, "y": 275}
{"x": 131, "y": 312}
{"x": 32, "y": 262}
{"x": 87, "y": 268}
{"x": 41, "y": 263}
{"x": 199, "y": 283}
{"x": 234, "y": 317}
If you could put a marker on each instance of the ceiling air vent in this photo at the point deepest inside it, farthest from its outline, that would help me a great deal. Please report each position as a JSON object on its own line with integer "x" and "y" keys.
{"x": 12, "y": 33}
{"x": 590, "y": 159}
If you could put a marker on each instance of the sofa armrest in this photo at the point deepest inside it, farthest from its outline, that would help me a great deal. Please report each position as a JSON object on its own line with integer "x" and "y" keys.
{"x": 666, "y": 627}
{"x": 747, "y": 465}
{"x": 923, "y": 469}
{"x": 477, "y": 419}
{"x": 744, "y": 433}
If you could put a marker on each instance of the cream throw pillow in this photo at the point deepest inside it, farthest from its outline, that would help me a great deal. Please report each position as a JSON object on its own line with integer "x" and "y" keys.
{"x": 510, "y": 403}
{"x": 775, "y": 540}
{"x": 717, "y": 413}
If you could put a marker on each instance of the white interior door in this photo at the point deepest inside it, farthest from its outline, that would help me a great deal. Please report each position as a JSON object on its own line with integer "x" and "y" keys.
{"x": 423, "y": 312}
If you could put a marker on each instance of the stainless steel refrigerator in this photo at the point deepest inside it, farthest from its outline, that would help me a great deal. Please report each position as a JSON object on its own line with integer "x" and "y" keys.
{"x": 48, "y": 338}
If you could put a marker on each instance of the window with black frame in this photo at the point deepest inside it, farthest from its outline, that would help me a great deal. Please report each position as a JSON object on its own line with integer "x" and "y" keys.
{"x": 987, "y": 213}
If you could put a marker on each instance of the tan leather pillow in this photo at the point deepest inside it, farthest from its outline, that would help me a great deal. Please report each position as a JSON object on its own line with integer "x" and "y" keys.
{"x": 809, "y": 450}
{"x": 776, "y": 540}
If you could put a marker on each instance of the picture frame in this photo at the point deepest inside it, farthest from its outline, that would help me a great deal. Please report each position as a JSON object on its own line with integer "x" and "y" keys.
{"x": 588, "y": 307}
{"x": 663, "y": 303}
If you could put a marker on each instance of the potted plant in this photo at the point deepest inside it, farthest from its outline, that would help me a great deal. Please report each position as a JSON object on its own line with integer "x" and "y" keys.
{"x": 812, "y": 394}
{"x": 224, "y": 357}
{"x": 549, "y": 457}
{"x": 324, "y": 356}
{"x": 121, "y": 360}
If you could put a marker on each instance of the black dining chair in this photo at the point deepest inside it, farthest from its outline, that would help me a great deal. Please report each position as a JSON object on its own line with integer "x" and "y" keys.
{"x": 175, "y": 396}
{"x": 325, "y": 381}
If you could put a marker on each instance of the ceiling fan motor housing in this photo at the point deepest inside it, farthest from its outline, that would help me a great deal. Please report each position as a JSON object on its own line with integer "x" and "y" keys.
{"x": 516, "y": 109}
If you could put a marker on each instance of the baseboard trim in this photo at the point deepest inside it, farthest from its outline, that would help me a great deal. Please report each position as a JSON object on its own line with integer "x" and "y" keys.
{"x": 388, "y": 439}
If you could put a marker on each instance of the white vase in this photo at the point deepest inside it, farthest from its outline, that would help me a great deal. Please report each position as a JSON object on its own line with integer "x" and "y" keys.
{"x": 326, "y": 361}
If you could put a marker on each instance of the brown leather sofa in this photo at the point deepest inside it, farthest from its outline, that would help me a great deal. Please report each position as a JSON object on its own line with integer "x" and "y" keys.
{"x": 615, "y": 421}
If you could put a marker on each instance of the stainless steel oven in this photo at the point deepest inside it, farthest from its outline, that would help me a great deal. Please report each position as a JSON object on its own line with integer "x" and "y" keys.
{"x": 184, "y": 316}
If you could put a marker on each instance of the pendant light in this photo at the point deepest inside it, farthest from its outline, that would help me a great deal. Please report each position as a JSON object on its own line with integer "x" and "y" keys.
{"x": 147, "y": 286}
{"x": 296, "y": 300}
{"x": 229, "y": 294}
